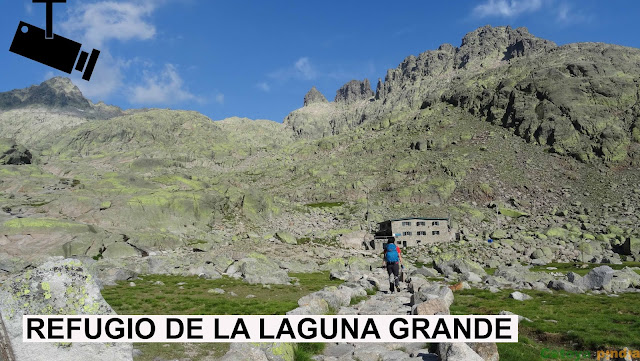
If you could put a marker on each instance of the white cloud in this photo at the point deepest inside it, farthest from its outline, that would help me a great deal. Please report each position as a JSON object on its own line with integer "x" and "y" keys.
{"x": 107, "y": 78}
{"x": 264, "y": 86}
{"x": 302, "y": 69}
{"x": 506, "y": 8}
{"x": 220, "y": 98}
{"x": 567, "y": 15}
{"x": 96, "y": 23}
{"x": 164, "y": 88}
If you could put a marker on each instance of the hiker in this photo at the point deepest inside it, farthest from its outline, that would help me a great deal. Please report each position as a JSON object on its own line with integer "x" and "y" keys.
{"x": 393, "y": 260}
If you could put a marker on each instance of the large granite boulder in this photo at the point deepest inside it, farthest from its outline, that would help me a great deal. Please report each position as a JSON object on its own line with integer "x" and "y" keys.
{"x": 457, "y": 352}
{"x": 433, "y": 291}
{"x": 598, "y": 278}
{"x": 260, "y": 269}
{"x": 62, "y": 287}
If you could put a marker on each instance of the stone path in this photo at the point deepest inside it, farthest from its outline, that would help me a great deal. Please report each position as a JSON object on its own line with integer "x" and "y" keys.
{"x": 382, "y": 303}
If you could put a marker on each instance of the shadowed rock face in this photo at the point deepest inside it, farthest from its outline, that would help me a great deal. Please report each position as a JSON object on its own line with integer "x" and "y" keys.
{"x": 354, "y": 91}
{"x": 13, "y": 154}
{"x": 314, "y": 96}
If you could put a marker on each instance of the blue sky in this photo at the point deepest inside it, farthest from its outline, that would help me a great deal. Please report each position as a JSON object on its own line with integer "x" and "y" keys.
{"x": 257, "y": 59}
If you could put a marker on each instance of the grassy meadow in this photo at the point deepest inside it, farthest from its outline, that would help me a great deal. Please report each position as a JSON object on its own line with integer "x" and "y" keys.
{"x": 179, "y": 295}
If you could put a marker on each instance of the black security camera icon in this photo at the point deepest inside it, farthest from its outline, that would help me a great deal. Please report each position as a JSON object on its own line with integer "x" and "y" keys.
{"x": 52, "y": 49}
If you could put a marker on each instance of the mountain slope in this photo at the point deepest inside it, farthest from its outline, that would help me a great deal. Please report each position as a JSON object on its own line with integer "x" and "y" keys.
{"x": 546, "y": 134}
{"x": 578, "y": 99}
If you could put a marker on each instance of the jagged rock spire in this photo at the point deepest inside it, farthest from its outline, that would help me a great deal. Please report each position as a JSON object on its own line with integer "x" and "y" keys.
{"x": 353, "y": 91}
{"x": 314, "y": 96}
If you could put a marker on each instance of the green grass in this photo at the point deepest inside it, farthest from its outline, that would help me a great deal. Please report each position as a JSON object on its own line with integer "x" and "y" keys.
{"x": 178, "y": 351}
{"x": 584, "y": 322}
{"x": 325, "y": 204}
{"x": 355, "y": 300}
{"x": 149, "y": 299}
{"x": 582, "y": 268}
{"x": 305, "y": 351}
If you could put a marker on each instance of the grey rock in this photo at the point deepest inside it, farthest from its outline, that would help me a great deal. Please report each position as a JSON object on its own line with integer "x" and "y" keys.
{"x": 574, "y": 278}
{"x": 353, "y": 91}
{"x": 369, "y": 352}
{"x": 338, "y": 349}
{"x": 393, "y": 355}
{"x": 13, "y": 154}
{"x": 519, "y": 296}
{"x": 286, "y": 237}
{"x": 314, "y": 96}
{"x": 417, "y": 283}
{"x": 56, "y": 288}
{"x": 425, "y": 271}
{"x": 433, "y": 292}
{"x": 460, "y": 266}
{"x": 310, "y": 306}
{"x": 296, "y": 266}
{"x": 520, "y": 318}
{"x": 109, "y": 275}
{"x": 242, "y": 352}
{"x": 431, "y": 307}
{"x": 562, "y": 285}
{"x": 457, "y": 352}
{"x": 471, "y": 277}
{"x": 263, "y": 270}
{"x": 488, "y": 351}
{"x": 598, "y": 278}
{"x": 537, "y": 254}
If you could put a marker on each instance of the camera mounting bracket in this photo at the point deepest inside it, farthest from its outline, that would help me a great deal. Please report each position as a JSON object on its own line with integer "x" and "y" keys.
{"x": 49, "y": 28}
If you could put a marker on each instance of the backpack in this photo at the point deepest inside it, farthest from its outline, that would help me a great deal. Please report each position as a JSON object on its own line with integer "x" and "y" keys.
{"x": 391, "y": 254}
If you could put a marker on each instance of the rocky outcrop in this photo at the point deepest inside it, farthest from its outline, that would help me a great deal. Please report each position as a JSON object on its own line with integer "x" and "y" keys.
{"x": 260, "y": 269}
{"x": 56, "y": 288}
{"x": 457, "y": 351}
{"x": 354, "y": 91}
{"x": 572, "y": 99}
{"x": 505, "y": 43}
{"x": 13, "y": 154}
{"x": 417, "y": 80}
{"x": 314, "y": 96}
{"x": 56, "y": 92}
{"x": 579, "y": 99}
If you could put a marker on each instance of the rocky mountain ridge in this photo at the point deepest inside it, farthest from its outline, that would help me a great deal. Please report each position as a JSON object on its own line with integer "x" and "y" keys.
{"x": 578, "y": 99}
{"x": 57, "y": 93}
{"x": 416, "y": 77}
{"x": 466, "y": 133}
